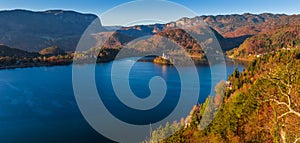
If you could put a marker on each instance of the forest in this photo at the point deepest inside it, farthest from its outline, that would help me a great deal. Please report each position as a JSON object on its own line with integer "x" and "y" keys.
{"x": 261, "y": 104}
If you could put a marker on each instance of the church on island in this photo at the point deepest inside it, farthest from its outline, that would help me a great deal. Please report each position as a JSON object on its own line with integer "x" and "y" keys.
{"x": 164, "y": 56}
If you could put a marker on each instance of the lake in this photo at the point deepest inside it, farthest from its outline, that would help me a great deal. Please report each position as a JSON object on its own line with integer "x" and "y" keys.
{"x": 38, "y": 104}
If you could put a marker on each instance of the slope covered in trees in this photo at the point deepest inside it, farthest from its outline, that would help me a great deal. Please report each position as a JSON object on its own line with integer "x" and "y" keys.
{"x": 248, "y": 24}
{"x": 15, "y": 58}
{"x": 52, "y": 51}
{"x": 283, "y": 37}
{"x": 260, "y": 105}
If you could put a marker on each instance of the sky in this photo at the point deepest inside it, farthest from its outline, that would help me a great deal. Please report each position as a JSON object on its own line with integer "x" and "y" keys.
{"x": 198, "y": 7}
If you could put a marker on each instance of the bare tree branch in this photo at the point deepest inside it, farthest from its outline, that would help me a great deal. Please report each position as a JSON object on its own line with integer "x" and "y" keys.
{"x": 282, "y": 134}
{"x": 291, "y": 110}
{"x": 298, "y": 139}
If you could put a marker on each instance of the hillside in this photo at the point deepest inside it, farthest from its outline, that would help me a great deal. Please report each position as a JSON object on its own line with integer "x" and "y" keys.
{"x": 33, "y": 31}
{"x": 52, "y": 51}
{"x": 183, "y": 39}
{"x": 151, "y": 38}
{"x": 11, "y": 58}
{"x": 282, "y": 37}
{"x": 260, "y": 105}
{"x": 12, "y": 52}
{"x": 176, "y": 42}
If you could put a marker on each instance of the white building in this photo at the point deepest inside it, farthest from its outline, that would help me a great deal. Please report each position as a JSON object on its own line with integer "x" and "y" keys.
{"x": 164, "y": 56}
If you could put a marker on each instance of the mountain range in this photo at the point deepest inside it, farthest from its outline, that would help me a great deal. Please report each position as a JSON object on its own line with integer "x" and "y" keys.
{"x": 230, "y": 30}
{"x": 33, "y": 31}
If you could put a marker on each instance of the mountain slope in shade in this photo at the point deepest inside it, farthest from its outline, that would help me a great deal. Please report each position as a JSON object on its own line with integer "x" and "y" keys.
{"x": 171, "y": 41}
{"x": 33, "y": 31}
{"x": 123, "y": 36}
{"x": 12, "y": 52}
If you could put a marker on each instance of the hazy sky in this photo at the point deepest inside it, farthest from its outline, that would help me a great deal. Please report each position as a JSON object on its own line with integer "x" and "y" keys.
{"x": 201, "y": 7}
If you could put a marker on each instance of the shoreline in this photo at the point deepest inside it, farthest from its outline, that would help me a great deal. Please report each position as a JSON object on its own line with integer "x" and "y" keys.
{"x": 242, "y": 61}
{"x": 33, "y": 66}
{"x": 148, "y": 59}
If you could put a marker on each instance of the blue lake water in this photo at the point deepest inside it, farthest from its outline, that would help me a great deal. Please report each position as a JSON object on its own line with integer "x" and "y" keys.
{"x": 38, "y": 104}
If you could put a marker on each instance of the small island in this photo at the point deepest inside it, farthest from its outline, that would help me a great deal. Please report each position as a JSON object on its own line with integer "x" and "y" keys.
{"x": 163, "y": 60}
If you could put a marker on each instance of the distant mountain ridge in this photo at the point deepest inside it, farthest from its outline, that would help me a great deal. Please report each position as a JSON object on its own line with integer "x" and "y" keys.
{"x": 248, "y": 24}
{"x": 236, "y": 25}
{"x": 34, "y": 31}
{"x": 233, "y": 29}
